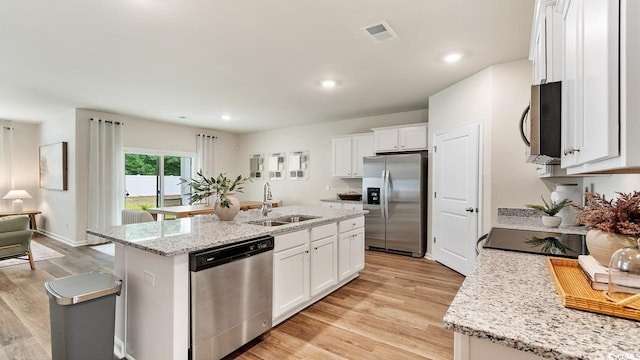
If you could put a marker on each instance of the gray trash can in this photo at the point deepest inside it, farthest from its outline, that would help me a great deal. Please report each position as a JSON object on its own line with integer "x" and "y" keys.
{"x": 82, "y": 311}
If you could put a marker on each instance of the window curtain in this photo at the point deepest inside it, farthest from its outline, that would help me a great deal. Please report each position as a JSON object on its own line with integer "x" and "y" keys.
{"x": 206, "y": 149}
{"x": 6, "y": 158}
{"x": 106, "y": 175}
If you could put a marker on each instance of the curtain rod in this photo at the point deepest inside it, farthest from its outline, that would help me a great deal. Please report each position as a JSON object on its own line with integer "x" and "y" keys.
{"x": 208, "y": 136}
{"x": 108, "y": 121}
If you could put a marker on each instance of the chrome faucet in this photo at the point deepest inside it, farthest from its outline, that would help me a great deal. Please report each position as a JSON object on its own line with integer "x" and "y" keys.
{"x": 266, "y": 196}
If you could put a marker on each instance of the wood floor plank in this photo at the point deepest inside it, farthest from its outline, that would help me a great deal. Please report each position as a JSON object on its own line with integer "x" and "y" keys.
{"x": 393, "y": 310}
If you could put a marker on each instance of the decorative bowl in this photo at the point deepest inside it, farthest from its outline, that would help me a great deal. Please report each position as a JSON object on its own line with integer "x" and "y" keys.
{"x": 353, "y": 197}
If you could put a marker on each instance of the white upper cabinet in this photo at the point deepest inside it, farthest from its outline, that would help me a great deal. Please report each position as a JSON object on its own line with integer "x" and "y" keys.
{"x": 400, "y": 138}
{"x": 594, "y": 110}
{"x": 547, "y": 43}
{"x": 347, "y": 154}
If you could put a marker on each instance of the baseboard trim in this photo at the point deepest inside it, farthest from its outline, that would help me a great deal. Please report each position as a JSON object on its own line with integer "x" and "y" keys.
{"x": 63, "y": 239}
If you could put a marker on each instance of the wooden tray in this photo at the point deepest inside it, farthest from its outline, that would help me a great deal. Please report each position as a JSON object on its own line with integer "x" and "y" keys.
{"x": 576, "y": 292}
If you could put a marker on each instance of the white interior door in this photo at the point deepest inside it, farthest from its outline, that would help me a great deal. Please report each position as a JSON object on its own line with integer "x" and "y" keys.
{"x": 456, "y": 204}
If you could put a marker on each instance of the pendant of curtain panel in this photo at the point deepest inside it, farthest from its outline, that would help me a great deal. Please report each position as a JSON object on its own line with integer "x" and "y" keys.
{"x": 206, "y": 149}
{"x": 6, "y": 161}
{"x": 106, "y": 174}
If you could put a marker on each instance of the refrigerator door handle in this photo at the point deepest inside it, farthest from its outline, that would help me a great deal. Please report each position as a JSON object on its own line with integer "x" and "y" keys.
{"x": 382, "y": 195}
{"x": 387, "y": 193}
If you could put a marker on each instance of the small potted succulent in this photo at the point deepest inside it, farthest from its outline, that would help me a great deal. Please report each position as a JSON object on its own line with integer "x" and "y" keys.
{"x": 226, "y": 205}
{"x": 550, "y": 209}
{"x": 614, "y": 223}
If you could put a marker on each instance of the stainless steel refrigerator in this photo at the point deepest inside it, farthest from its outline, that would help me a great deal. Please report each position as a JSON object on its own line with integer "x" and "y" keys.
{"x": 394, "y": 191}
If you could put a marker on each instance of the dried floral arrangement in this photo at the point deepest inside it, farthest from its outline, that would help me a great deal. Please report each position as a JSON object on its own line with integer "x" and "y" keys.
{"x": 620, "y": 216}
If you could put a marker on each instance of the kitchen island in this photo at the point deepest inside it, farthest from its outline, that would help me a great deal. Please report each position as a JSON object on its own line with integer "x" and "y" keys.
{"x": 152, "y": 315}
{"x": 508, "y": 308}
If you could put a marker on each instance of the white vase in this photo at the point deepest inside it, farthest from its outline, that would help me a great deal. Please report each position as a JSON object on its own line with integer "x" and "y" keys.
{"x": 227, "y": 214}
{"x": 602, "y": 245}
{"x": 551, "y": 221}
{"x": 569, "y": 213}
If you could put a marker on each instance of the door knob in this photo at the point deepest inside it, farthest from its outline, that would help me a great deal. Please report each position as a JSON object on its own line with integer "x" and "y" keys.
{"x": 469, "y": 209}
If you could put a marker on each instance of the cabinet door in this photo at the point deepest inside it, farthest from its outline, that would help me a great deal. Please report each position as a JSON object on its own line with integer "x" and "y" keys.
{"x": 362, "y": 146}
{"x": 291, "y": 285}
{"x": 324, "y": 266}
{"x": 385, "y": 140}
{"x": 356, "y": 250}
{"x": 341, "y": 156}
{"x": 413, "y": 138}
{"x": 350, "y": 253}
{"x": 601, "y": 80}
{"x": 572, "y": 87}
{"x": 590, "y": 99}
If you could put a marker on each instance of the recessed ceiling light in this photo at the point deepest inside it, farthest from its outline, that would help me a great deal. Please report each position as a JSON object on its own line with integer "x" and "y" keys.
{"x": 328, "y": 83}
{"x": 226, "y": 117}
{"x": 453, "y": 57}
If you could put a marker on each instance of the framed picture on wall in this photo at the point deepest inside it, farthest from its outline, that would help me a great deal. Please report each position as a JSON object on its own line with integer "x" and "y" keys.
{"x": 53, "y": 166}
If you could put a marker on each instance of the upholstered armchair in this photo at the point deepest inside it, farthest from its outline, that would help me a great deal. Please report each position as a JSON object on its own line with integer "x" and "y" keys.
{"x": 15, "y": 238}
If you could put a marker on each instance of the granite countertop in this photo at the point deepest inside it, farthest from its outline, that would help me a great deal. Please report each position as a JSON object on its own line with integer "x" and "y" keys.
{"x": 510, "y": 299}
{"x": 342, "y": 201}
{"x": 180, "y": 236}
{"x": 527, "y": 219}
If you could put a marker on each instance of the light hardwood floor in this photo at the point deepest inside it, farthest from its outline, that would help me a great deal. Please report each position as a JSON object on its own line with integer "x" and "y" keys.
{"x": 393, "y": 310}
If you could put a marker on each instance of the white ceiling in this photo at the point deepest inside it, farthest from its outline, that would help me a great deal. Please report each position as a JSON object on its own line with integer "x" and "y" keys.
{"x": 258, "y": 60}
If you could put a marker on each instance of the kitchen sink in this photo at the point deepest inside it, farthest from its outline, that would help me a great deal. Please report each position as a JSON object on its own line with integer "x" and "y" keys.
{"x": 268, "y": 222}
{"x": 283, "y": 220}
{"x": 296, "y": 218}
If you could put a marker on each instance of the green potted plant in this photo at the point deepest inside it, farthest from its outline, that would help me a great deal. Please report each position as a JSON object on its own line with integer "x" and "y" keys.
{"x": 614, "y": 223}
{"x": 550, "y": 209}
{"x": 226, "y": 205}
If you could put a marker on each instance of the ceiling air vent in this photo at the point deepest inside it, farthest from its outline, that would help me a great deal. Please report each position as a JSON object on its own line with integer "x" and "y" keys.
{"x": 380, "y": 31}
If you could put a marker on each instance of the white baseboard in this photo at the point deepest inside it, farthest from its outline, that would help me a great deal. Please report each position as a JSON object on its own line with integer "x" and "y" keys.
{"x": 63, "y": 239}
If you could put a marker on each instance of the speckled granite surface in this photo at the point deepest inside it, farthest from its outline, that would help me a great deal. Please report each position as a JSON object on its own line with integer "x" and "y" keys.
{"x": 528, "y": 219}
{"x": 173, "y": 237}
{"x": 342, "y": 201}
{"x": 510, "y": 299}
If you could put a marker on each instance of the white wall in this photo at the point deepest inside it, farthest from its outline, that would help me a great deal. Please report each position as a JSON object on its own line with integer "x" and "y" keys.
{"x": 58, "y": 207}
{"x": 609, "y": 185}
{"x": 316, "y": 139}
{"x": 24, "y": 166}
{"x": 514, "y": 182}
{"x": 494, "y": 97}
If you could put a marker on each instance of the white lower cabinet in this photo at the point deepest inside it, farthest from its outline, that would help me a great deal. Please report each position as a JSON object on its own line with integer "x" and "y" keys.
{"x": 324, "y": 264}
{"x": 350, "y": 253}
{"x": 291, "y": 274}
{"x": 306, "y": 264}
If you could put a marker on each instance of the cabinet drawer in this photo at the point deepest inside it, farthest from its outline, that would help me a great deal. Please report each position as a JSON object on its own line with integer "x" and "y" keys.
{"x": 346, "y": 206}
{"x": 288, "y": 241}
{"x": 351, "y": 224}
{"x": 323, "y": 231}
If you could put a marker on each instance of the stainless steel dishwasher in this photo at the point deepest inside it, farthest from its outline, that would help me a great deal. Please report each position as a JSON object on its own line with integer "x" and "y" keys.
{"x": 230, "y": 296}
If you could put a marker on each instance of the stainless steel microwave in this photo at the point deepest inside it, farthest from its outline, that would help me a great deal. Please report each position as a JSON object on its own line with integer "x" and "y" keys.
{"x": 541, "y": 133}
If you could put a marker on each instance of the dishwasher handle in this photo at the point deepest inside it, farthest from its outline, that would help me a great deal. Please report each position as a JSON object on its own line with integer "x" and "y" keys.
{"x": 205, "y": 259}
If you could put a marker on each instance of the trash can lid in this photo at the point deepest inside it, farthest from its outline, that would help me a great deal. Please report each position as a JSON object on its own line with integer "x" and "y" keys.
{"x": 79, "y": 288}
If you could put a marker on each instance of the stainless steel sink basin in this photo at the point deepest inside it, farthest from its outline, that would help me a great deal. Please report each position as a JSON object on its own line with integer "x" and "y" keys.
{"x": 268, "y": 222}
{"x": 296, "y": 218}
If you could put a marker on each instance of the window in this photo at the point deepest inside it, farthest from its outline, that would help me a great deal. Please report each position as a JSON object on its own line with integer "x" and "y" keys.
{"x": 145, "y": 188}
